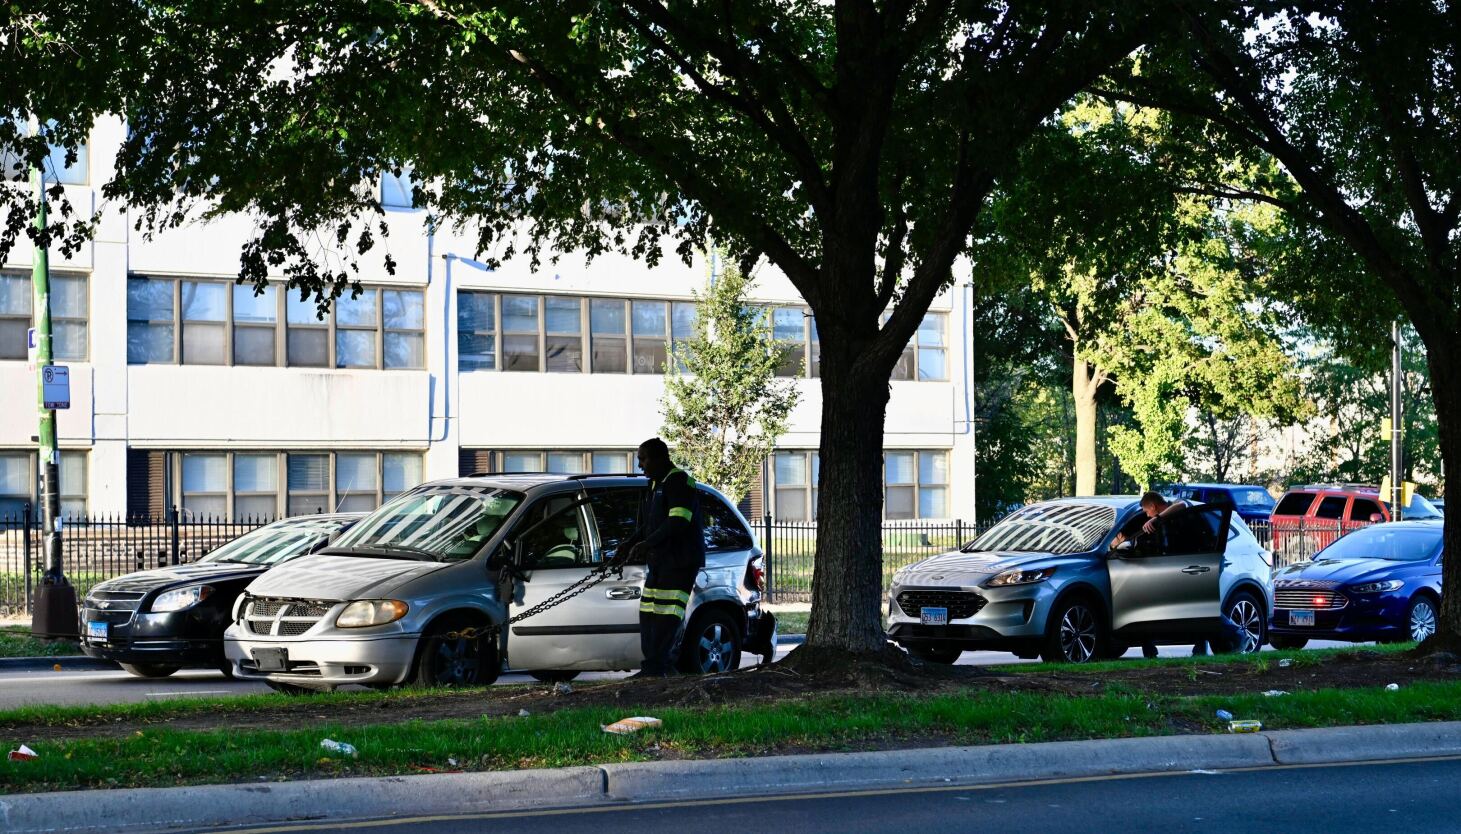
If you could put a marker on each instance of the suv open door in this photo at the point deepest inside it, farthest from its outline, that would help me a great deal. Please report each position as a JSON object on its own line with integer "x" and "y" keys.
{"x": 1166, "y": 586}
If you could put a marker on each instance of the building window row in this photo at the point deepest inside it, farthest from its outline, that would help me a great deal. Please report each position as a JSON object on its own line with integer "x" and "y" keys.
{"x": 915, "y": 484}
{"x": 576, "y": 462}
{"x": 926, "y": 358}
{"x": 223, "y": 323}
{"x": 20, "y": 484}
{"x": 55, "y": 170}
{"x": 69, "y": 308}
{"x": 568, "y": 334}
{"x": 267, "y": 485}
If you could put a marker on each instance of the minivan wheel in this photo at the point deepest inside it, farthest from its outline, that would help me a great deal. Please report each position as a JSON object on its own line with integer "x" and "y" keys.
{"x": 712, "y": 644}
{"x": 445, "y": 658}
{"x": 1074, "y": 633}
{"x": 1420, "y": 621}
{"x": 149, "y": 670}
{"x": 936, "y": 654}
{"x": 553, "y": 675}
{"x": 1247, "y": 614}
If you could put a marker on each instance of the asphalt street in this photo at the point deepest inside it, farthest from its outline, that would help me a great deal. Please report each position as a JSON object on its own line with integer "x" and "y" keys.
{"x": 49, "y": 687}
{"x": 1402, "y": 796}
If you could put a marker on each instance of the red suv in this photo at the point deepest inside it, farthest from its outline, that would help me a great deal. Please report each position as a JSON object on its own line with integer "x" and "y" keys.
{"x": 1309, "y": 518}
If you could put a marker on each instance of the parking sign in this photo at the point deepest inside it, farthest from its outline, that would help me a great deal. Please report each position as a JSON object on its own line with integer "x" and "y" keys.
{"x": 56, "y": 386}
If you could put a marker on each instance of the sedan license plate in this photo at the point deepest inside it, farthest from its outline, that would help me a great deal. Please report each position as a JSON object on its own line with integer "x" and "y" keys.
{"x": 1301, "y": 618}
{"x": 933, "y": 616}
{"x": 96, "y": 630}
{"x": 272, "y": 660}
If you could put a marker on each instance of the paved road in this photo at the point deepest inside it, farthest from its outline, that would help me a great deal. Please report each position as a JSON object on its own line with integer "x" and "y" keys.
{"x": 1412, "y": 796}
{"x": 19, "y": 689}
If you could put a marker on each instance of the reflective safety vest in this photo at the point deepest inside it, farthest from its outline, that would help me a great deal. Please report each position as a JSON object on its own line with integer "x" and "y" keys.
{"x": 675, "y": 497}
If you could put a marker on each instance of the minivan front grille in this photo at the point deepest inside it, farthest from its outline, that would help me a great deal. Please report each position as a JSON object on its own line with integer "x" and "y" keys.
{"x": 284, "y": 617}
{"x": 961, "y": 604}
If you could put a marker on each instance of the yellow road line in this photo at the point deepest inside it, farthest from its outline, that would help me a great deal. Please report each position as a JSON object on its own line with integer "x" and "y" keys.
{"x": 322, "y": 825}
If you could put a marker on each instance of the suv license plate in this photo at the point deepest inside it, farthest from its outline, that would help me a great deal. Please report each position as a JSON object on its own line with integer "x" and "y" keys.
{"x": 933, "y": 616}
{"x": 96, "y": 630}
{"x": 272, "y": 660}
{"x": 1301, "y": 618}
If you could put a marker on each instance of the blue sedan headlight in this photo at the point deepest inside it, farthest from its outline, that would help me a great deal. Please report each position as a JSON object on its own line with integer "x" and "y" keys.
{"x": 1378, "y": 587}
{"x": 1019, "y": 576}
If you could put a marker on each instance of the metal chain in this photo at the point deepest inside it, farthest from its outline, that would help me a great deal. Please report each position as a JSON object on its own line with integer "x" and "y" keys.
{"x": 596, "y": 576}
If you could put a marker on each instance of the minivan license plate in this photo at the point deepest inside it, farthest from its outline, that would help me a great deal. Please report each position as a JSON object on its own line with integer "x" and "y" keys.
{"x": 96, "y": 630}
{"x": 1301, "y": 618}
{"x": 933, "y": 616}
{"x": 272, "y": 660}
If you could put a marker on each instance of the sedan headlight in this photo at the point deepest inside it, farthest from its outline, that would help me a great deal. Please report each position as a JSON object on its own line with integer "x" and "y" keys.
{"x": 180, "y": 598}
{"x": 1019, "y": 576}
{"x": 1378, "y": 587}
{"x": 371, "y": 612}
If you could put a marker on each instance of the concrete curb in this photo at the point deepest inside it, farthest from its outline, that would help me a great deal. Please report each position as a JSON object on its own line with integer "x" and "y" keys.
{"x": 69, "y": 663}
{"x": 467, "y": 793}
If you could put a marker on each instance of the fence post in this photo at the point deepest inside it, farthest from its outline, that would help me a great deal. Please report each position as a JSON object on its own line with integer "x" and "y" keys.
{"x": 766, "y": 549}
{"x": 25, "y": 547}
{"x": 172, "y": 524}
{"x": 958, "y": 533}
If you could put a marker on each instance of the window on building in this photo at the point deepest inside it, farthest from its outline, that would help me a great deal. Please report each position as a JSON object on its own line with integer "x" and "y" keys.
{"x": 255, "y": 326}
{"x": 650, "y": 334}
{"x": 520, "y": 333}
{"x": 607, "y": 328}
{"x": 150, "y": 316}
{"x": 476, "y": 331}
{"x": 15, "y": 485}
{"x": 522, "y": 462}
{"x": 20, "y": 484}
{"x": 256, "y": 486}
{"x": 566, "y": 463}
{"x": 357, "y": 482}
{"x": 205, "y": 320}
{"x": 75, "y": 173}
{"x": 789, "y": 329}
{"x": 683, "y": 316}
{"x": 395, "y": 190}
{"x": 915, "y": 484}
{"x": 307, "y": 334}
{"x": 405, "y": 328}
{"x": 15, "y": 295}
{"x": 795, "y": 473}
{"x": 205, "y": 486}
{"x": 400, "y": 471}
{"x": 612, "y": 463}
{"x": 933, "y": 484}
{"x": 356, "y": 323}
{"x": 563, "y": 336}
{"x": 926, "y": 356}
{"x": 68, "y": 316}
{"x": 308, "y": 481}
{"x": 814, "y": 351}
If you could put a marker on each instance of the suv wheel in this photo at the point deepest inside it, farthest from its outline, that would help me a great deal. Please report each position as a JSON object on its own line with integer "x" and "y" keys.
{"x": 149, "y": 670}
{"x": 447, "y": 659}
{"x": 1420, "y": 620}
{"x": 712, "y": 644}
{"x": 1074, "y": 633}
{"x": 935, "y": 653}
{"x": 1246, "y": 612}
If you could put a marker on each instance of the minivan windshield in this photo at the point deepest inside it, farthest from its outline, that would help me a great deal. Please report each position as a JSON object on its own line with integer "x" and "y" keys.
{"x": 444, "y": 524}
{"x": 1252, "y": 497}
{"x": 277, "y": 542}
{"x": 1049, "y": 528}
{"x": 1384, "y": 541}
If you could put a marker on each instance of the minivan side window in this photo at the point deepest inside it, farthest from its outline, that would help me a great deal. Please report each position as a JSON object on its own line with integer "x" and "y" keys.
{"x": 616, "y": 511}
{"x": 723, "y": 531}
{"x": 1331, "y": 507}
{"x": 559, "y": 541}
{"x": 1295, "y": 503}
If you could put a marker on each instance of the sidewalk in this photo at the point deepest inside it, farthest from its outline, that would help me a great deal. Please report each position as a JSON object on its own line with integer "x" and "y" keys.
{"x": 467, "y": 793}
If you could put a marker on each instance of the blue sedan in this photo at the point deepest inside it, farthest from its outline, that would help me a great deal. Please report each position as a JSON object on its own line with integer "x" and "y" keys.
{"x": 1381, "y": 582}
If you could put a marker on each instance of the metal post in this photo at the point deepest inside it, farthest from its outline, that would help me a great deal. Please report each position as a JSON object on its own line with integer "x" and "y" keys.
{"x": 172, "y": 526}
{"x": 1397, "y": 439}
{"x": 25, "y": 548}
{"x": 766, "y": 549}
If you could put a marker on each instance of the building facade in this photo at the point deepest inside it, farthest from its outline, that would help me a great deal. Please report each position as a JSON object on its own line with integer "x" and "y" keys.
{"x": 189, "y": 390}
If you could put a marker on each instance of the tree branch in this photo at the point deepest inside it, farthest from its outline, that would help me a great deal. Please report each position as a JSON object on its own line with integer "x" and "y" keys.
{"x": 1238, "y": 194}
{"x": 894, "y": 256}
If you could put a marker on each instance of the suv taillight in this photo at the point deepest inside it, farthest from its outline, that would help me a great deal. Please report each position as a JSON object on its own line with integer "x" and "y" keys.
{"x": 756, "y": 576}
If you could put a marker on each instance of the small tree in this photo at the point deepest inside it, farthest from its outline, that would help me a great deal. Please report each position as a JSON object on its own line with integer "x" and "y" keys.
{"x": 723, "y": 406}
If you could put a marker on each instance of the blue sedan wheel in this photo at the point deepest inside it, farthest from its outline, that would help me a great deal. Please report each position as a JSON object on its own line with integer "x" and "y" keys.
{"x": 1422, "y": 618}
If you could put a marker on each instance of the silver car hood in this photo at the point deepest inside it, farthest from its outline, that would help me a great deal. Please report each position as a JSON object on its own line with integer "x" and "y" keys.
{"x": 339, "y": 577}
{"x": 959, "y": 568}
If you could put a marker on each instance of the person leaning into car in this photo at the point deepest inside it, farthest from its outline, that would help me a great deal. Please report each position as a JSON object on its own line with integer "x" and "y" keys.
{"x": 670, "y": 540}
{"x": 1156, "y": 506}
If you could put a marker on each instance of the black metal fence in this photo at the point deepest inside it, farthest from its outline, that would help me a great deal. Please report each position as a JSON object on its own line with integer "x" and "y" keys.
{"x": 96, "y": 548}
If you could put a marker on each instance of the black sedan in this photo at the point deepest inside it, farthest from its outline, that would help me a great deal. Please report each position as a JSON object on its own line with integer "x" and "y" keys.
{"x": 158, "y": 621}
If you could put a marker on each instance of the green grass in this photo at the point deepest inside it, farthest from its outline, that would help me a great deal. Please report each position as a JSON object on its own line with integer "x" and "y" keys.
{"x": 792, "y": 622}
{"x": 15, "y": 641}
{"x": 573, "y": 737}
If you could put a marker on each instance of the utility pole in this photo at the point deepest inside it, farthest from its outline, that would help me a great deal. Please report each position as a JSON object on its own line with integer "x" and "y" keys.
{"x": 1397, "y": 439}
{"x": 54, "y": 614}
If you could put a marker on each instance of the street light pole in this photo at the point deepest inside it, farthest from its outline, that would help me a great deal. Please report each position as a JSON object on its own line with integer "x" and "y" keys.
{"x": 54, "y": 614}
{"x": 1397, "y": 439}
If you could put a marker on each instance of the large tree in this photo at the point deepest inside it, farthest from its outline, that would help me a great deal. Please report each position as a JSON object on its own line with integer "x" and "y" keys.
{"x": 853, "y": 144}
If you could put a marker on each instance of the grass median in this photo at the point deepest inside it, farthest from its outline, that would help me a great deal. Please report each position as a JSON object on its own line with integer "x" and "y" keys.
{"x": 574, "y": 736}
{"x": 16, "y": 641}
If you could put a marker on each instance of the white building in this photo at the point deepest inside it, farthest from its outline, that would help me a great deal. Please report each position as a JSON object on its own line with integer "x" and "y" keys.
{"x": 187, "y": 389}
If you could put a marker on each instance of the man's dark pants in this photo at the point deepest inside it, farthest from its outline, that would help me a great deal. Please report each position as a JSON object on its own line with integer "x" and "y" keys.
{"x": 661, "y": 612}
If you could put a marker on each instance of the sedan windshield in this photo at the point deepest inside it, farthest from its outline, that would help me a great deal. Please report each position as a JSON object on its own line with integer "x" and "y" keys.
{"x": 1382, "y": 541}
{"x": 448, "y": 524}
{"x": 1050, "y": 528}
{"x": 277, "y": 542}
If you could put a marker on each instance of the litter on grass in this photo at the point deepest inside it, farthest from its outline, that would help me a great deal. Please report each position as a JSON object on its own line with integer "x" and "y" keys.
{"x": 626, "y": 726}
{"x": 1247, "y": 725}
{"x": 23, "y": 754}
{"x": 1285, "y": 663}
{"x": 340, "y": 748}
{"x": 1275, "y": 693}
{"x": 1392, "y": 687}
{"x": 562, "y": 688}
{"x": 1223, "y": 715}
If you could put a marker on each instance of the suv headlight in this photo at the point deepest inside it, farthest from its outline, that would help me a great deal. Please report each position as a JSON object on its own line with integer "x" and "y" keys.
{"x": 180, "y": 598}
{"x": 371, "y": 612}
{"x": 1378, "y": 587}
{"x": 1020, "y": 576}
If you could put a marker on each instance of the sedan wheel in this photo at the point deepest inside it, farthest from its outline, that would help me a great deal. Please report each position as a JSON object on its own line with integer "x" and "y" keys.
{"x": 1422, "y": 619}
{"x": 1075, "y": 632}
{"x": 712, "y": 644}
{"x": 1245, "y": 614}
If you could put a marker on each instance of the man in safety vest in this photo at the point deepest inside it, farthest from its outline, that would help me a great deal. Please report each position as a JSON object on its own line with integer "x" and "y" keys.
{"x": 671, "y": 541}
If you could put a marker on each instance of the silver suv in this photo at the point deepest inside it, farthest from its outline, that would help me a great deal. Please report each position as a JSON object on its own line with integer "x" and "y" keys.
{"x": 419, "y": 590}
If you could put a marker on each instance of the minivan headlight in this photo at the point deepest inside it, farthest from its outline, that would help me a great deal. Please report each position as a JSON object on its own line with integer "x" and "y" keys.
{"x": 180, "y": 598}
{"x": 1020, "y": 576}
{"x": 371, "y": 612}
{"x": 1378, "y": 587}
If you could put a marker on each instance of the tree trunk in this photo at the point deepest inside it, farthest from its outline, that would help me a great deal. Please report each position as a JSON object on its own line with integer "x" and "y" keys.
{"x": 847, "y": 584}
{"x": 1085, "y": 381}
{"x": 1446, "y": 387}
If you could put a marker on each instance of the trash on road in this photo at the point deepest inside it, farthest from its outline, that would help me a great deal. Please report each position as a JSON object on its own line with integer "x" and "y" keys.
{"x": 1246, "y": 725}
{"x": 562, "y": 688}
{"x": 1275, "y": 693}
{"x": 23, "y": 754}
{"x": 55, "y": 667}
{"x": 626, "y": 726}
{"x": 340, "y": 748}
{"x": 1285, "y": 663}
{"x": 1224, "y": 715}
{"x": 1392, "y": 687}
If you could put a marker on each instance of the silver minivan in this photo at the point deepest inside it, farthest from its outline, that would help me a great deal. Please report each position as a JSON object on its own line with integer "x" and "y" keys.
{"x": 418, "y": 591}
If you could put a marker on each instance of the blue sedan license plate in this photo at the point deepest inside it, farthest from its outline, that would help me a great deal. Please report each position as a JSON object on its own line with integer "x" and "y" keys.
{"x": 96, "y": 630}
{"x": 1301, "y": 618}
{"x": 933, "y": 616}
